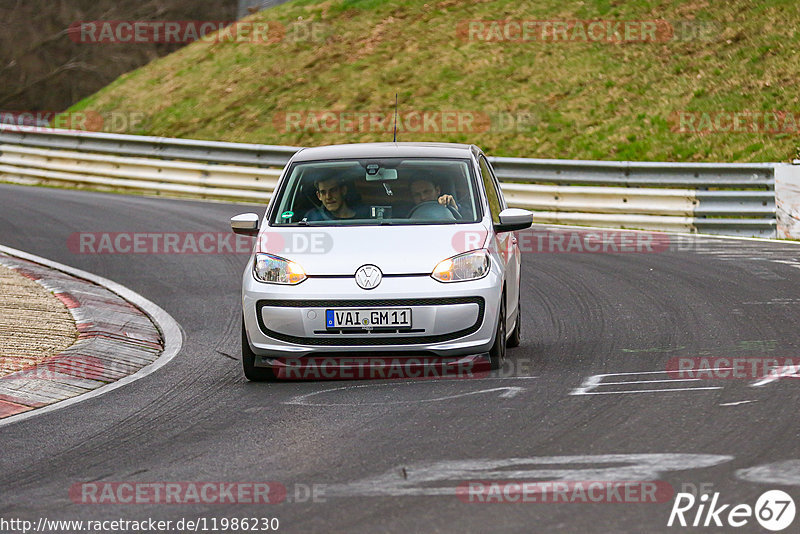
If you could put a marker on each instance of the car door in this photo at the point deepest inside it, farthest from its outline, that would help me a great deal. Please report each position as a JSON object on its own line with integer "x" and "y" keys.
{"x": 514, "y": 260}
{"x": 505, "y": 242}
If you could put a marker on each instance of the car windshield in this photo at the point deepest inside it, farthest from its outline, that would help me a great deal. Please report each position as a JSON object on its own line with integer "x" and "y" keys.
{"x": 377, "y": 191}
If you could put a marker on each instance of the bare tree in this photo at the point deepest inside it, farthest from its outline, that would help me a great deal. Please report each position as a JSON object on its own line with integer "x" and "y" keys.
{"x": 43, "y": 69}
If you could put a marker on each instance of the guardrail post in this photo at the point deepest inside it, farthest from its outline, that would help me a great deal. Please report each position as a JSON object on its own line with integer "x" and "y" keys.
{"x": 787, "y": 200}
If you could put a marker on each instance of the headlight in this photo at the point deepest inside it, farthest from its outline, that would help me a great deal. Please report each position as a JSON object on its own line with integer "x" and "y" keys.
{"x": 468, "y": 266}
{"x": 276, "y": 270}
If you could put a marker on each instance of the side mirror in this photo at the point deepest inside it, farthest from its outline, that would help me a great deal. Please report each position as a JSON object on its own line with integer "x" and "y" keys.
{"x": 513, "y": 219}
{"x": 245, "y": 224}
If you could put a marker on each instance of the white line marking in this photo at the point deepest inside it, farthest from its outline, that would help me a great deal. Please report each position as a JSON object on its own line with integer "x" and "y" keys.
{"x": 511, "y": 392}
{"x": 736, "y": 403}
{"x": 443, "y": 477}
{"x": 596, "y": 381}
{"x": 787, "y": 262}
{"x": 644, "y": 391}
{"x": 764, "y": 381}
{"x": 665, "y": 372}
{"x": 170, "y": 329}
{"x": 302, "y": 400}
{"x": 784, "y": 473}
{"x": 650, "y": 381}
{"x": 789, "y": 370}
{"x": 505, "y": 378}
{"x": 590, "y": 383}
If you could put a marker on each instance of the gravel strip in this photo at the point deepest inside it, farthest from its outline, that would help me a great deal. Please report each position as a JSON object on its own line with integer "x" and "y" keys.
{"x": 34, "y": 323}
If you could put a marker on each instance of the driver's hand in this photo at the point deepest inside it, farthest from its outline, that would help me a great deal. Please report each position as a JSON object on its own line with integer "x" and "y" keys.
{"x": 448, "y": 200}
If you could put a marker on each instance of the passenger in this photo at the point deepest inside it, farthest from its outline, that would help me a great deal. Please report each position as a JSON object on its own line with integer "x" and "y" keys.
{"x": 331, "y": 192}
{"x": 423, "y": 190}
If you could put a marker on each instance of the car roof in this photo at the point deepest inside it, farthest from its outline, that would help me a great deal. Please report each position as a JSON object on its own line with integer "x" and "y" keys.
{"x": 384, "y": 150}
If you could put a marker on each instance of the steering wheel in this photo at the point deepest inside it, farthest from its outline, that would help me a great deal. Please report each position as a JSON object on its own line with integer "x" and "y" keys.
{"x": 432, "y": 210}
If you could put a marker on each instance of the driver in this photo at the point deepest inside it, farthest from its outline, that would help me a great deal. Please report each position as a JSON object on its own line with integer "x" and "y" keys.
{"x": 331, "y": 192}
{"x": 423, "y": 190}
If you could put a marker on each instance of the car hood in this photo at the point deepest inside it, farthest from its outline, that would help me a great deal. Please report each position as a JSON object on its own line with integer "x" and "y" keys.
{"x": 408, "y": 249}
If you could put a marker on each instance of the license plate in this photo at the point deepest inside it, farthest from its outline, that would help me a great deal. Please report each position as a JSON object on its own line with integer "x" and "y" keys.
{"x": 368, "y": 317}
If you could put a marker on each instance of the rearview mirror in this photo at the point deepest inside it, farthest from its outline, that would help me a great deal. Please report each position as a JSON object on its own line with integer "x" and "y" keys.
{"x": 381, "y": 175}
{"x": 245, "y": 224}
{"x": 513, "y": 219}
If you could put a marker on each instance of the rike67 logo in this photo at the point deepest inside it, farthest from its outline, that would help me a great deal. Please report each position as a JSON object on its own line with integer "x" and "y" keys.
{"x": 774, "y": 510}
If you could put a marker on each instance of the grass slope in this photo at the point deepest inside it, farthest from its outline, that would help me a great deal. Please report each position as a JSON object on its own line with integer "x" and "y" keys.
{"x": 581, "y": 99}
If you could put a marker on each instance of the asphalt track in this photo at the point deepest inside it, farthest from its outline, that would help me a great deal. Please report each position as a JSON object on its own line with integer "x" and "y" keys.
{"x": 386, "y": 455}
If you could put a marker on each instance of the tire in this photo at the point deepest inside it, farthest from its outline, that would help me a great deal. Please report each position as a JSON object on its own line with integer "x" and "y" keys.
{"x": 516, "y": 334}
{"x": 251, "y": 372}
{"x": 497, "y": 354}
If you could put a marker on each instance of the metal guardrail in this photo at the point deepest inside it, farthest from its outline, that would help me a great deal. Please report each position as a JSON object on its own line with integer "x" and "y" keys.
{"x": 722, "y": 198}
{"x": 725, "y": 198}
{"x": 148, "y": 147}
{"x": 24, "y": 164}
{"x": 637, "y": 173}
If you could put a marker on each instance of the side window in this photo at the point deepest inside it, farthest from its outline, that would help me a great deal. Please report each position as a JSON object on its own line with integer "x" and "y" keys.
{"x": 497, "y": 185}
{"x": 495, "y": 204}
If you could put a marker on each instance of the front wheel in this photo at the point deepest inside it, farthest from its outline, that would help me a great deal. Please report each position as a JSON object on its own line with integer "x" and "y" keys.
{"x": 251, "y": 372}
{"x": 497, "y": 354}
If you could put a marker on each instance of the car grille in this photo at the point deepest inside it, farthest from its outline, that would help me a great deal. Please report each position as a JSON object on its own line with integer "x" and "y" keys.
{"x": 369, "y": 338}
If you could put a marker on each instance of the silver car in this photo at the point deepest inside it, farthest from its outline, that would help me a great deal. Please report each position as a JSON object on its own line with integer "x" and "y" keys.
{"x": 381, "y": 250}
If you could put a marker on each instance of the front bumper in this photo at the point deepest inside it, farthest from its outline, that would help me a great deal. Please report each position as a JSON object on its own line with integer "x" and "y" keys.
{"x": 448, "y": 320}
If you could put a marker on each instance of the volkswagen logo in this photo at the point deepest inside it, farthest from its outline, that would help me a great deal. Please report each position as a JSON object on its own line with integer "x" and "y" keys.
{"x": 368, "y": 277}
